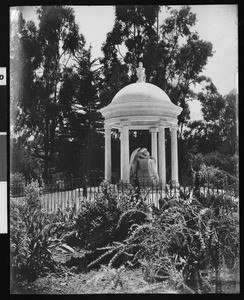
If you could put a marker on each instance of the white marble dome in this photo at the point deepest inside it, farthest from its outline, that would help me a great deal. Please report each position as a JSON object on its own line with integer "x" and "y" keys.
{"x": 141, "y": 103}
{"x": 141, "y": 92}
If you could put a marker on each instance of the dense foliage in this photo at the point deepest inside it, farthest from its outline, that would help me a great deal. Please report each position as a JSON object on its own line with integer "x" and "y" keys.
{"x": 188, "y": 237}
{"x": 17, "y": 184}
{"x": 30, "y": 232}
{"x": 212, "y": 141}
{"x": 185, "y": 242}
{"x": 53, "y": 92}
{"x": 173, "y": 55}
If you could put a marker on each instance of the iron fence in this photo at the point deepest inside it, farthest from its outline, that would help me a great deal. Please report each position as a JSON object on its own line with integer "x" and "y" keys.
{"x": 65, "y": 193}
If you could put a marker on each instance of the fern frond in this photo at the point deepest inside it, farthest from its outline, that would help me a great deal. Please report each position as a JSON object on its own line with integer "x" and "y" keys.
{"x": 139, "y": 231}
{"x": 105, "y": 248}
{"x": 103, "y": 256}
{"x": 113, "y": 259}
{"x": 129, "y": 213}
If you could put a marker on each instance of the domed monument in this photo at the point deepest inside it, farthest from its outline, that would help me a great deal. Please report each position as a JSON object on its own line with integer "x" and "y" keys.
{"x": 142, "y": 106}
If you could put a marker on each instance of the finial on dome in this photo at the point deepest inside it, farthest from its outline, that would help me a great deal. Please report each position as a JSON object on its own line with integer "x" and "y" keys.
{"x": 140, "y": 72}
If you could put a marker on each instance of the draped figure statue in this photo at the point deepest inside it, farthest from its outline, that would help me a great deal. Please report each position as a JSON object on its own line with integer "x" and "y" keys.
{"x": 142, "y": 168}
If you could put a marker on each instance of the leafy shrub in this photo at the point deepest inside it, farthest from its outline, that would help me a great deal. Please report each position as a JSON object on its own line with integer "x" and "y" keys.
{"x": 30, "y": 236}
{"x": 17, "y": 184}
{"x": 96, "y": 220}
{"x": 64, "y": 225}
{"x": 181, "y": 243}
{"x": 109, "y": 217}
{"x": 33, "y": 195}
{"x": 212, "y": 176}
{"x": 225, "y": 162}
{"x": 190, "y": 237}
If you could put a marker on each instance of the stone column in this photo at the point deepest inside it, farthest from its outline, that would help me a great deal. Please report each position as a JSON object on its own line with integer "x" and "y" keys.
{"x": 161, "y": 155}
{"x": 124, "y": 154}
{"x": 174, "y": 155}
{"x": 154, "y": 145}
{"x": 108, "y": 163}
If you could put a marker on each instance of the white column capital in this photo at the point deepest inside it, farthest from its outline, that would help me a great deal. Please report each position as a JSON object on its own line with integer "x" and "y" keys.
{"x": 173, "y": 127}
{"x": 125, "y": 123}
{"x": 164, "y": 124}
{"x": 161, "y": 128}
{"x": 107, "y": 126}
{"x": 153, "y": 130}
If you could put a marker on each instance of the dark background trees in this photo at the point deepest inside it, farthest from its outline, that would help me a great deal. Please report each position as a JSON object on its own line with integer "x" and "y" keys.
{"x": 54, "y": 102}
{"x": 57, "y": 89}
{"x": 213, "y": 140}
{"x": 172, "y": 54}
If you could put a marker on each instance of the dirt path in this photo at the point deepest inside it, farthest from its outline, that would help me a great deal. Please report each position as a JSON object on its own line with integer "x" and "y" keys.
{"x": 102, "y": 281}
{"x": 93, "y": 282}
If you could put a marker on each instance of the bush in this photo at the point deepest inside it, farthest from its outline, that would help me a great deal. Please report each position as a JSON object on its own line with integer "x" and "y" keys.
{"x": 96, "y": 220}
{"x": 181, "y": 243}
{"x": 64, "y": 226}
{"x": 109, "y": 217}
{"x": 30, "y": 237}
{"x": 17, "y": 184}
{"x": 189, "y": 237}
{"x": 33, "y": 195}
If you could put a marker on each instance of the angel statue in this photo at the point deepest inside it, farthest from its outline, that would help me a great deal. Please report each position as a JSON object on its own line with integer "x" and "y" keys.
{"x": 142, "y": 167}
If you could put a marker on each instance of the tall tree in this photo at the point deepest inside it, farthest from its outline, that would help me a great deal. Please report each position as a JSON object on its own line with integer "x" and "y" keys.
{"x": 81, "y": 121}
{"x": 174, "y": 56}
{"x": 22, "y": 51}
{"x": 133, "y": 29}
{"x": 229, "y": 124}
{"x": 215, "y": 138}
{"x": 59, "y": 98}
{"x": 58, "y": 38}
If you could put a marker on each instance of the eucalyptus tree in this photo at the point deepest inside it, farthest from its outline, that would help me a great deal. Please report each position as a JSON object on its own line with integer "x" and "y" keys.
{"x": 133, "y": 29}
{"x": 22, "y": 68}
{"x": 54, "y": 68}
{"x": 172, "y": 53}
{"x": 217, "y": 131}
{"x": 23, "y": 113}
{"x": 214, "y": 138}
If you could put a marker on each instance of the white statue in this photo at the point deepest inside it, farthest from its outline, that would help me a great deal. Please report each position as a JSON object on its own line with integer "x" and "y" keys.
{"x": 143, "y": 167}
{"x": 140, "y": 72}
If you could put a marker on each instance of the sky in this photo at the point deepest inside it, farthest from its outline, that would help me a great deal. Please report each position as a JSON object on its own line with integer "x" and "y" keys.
{"x": 217, "y": 24}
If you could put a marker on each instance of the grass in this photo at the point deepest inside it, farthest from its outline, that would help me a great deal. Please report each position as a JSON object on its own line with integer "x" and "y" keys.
{"x": 109, "y": 281}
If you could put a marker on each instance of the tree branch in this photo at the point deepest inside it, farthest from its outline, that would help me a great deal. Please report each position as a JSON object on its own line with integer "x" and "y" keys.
{"x": 120, "y": 52}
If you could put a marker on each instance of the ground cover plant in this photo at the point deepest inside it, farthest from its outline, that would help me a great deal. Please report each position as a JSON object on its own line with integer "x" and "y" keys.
{"x": 189, "y": 245}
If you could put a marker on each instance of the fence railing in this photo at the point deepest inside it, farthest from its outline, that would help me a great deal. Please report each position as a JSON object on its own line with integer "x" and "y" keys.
{"x": 64, "y": 193}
